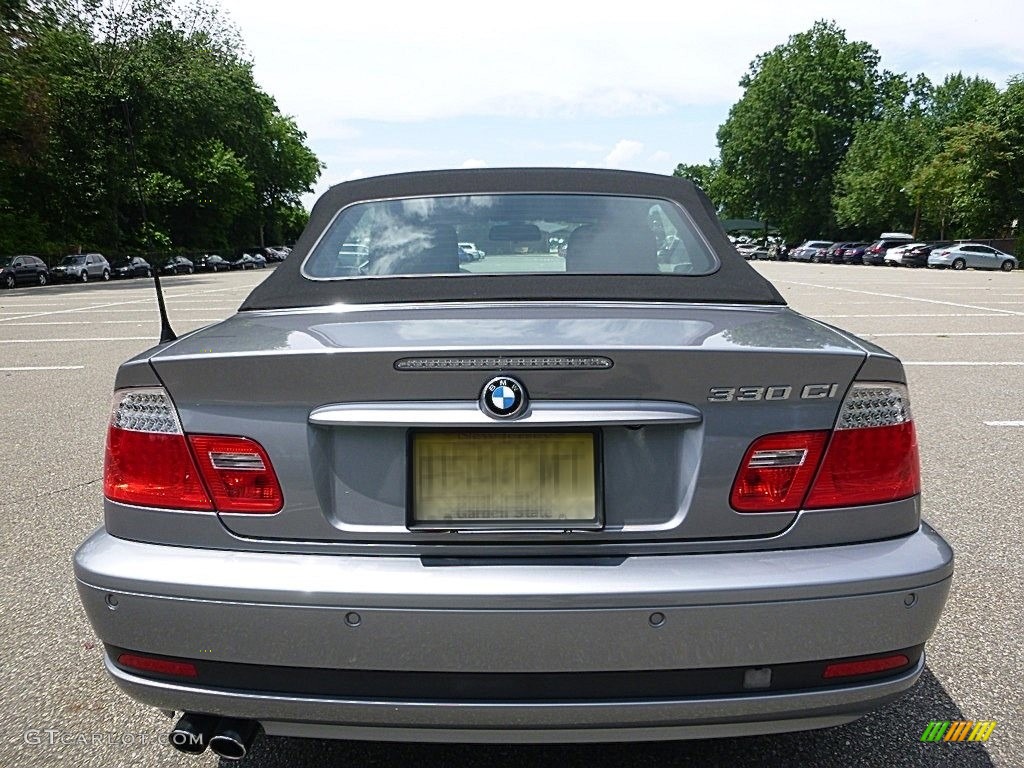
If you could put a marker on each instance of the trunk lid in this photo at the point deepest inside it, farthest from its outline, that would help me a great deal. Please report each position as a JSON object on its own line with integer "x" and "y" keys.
{"x": 719, "y": 376}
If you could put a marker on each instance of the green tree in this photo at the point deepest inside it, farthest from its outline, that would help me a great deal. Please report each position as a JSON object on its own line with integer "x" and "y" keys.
{"x": 105, "y": 104}
{"x": 701, "y": 174}
{"x": 872, "y": 184}
{"x": 783, "y": 141}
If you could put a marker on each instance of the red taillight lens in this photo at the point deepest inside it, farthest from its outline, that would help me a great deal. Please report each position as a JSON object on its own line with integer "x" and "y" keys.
{"x": 238, "y": 473}
{"x": 152, "y": 470}
{"x": 776, "y": 472}
{"x": 870, "y": 458}
{"x": 160, "y": 666}
{"x": 868, "y": 466}
{"x": 865, "y": 666}
{"x": 149, "y": 462}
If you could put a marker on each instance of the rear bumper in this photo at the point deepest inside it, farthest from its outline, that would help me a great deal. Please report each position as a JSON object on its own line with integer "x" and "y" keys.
{"x": 736, "y": 610}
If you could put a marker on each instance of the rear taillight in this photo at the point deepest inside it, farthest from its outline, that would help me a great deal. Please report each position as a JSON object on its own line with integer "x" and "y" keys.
{"x": 150, "y": 463}
{"x": 870, "y": 458}
{"x": 777, "y": 470}
{"x": 238, "y": 473}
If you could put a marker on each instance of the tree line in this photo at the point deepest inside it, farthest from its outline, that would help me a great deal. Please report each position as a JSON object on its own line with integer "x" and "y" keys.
{"x": 139, "y": 125}
{"x": 824, "y": 142}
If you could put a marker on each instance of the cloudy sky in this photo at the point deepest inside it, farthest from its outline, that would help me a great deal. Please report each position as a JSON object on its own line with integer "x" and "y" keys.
{"x": 394, "y": 86}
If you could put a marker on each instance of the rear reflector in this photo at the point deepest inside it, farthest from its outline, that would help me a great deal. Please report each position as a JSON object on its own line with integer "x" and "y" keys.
{"x": 865, "y": 666}
{"x": 149, "y": 462}
{"x": 870, "y": 458}
{"x": 238, "y": 473}
{"x": 159, "y": 666}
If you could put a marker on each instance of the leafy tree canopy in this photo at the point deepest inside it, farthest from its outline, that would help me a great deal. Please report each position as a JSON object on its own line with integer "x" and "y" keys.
{"x": 823, "y": 142}
{"x": 128, "y": 125}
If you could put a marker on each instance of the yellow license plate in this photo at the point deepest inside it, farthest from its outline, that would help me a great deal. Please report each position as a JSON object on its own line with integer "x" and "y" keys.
{"x": 489, "y": 479}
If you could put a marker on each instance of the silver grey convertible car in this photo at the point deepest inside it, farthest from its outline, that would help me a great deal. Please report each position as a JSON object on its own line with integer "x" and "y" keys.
{"x": 617, "y": 491}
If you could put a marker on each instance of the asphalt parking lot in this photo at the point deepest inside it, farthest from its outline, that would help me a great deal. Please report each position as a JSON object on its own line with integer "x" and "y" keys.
{"x": 960, "y": 334}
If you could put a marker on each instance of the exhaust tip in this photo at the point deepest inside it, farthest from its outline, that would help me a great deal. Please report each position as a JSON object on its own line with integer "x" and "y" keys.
{"x": 192, "y": 733}
{"x": 233, "y": 738}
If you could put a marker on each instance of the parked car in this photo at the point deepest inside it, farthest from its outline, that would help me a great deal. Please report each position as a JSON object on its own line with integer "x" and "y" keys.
{"x": 275, "y": 254}
{"x": 259, "y": 260}
{"x": 874, "y": 254}
{"x": 973, "y": 255}
{"x": 23, "y": 270}
{"x": 854, "y": 254}
{"x": 894, "y": 256}
{"x": 82, "y": 267}
{"x": 834, "y": 251}
{"x": 134, "y": 266}
{"x": 211, "y": 262}
{"x": 243, "y": 261}
{"x": 177, "y": 265}
{"x": 811, "y": 250}
{"x": 584, "y": 499}
{"x": 917, "y": 256}
{"x": 475, "y": 254}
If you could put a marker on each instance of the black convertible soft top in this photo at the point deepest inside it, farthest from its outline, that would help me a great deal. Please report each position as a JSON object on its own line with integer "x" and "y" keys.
{"x": 734, "y": 282}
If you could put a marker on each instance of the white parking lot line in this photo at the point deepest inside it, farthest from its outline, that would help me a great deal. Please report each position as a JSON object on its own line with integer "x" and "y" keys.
{"x": 944, "y": 333}
{"x": 69, "y": 341}
{"x": 963, "y": 363}
{"x": 903, "y": 297}
{"x": 1004, "y": 423}
{"x": 919, "y": 314}
{"x": 148, "y": 300}
{"x": 76, "y": 322}
{"x": 43, "y": 368}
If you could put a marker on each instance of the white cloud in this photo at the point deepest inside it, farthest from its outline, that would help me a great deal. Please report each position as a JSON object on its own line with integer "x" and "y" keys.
{"x": 473, "y": 163}
{"x": 327, "y": 61}
{"x": 569, "y": 80}
{"x": 623, "y": 152}
{"x": 661, "y": 157}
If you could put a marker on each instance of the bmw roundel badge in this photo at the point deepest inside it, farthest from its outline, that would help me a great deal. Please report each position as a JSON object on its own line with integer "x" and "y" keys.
{"x": 503, "y": 397}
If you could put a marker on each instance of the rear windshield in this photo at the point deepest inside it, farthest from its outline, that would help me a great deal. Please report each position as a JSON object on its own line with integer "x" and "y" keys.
{"x": 517, "y": 233}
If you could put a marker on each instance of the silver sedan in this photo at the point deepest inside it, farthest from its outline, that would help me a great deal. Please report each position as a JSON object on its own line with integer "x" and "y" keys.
{"x": 973, "y": 255}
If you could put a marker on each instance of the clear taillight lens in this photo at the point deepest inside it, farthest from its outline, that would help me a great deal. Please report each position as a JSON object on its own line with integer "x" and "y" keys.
{"x": 870, "y": 458}
{"x": 150, "y": 462}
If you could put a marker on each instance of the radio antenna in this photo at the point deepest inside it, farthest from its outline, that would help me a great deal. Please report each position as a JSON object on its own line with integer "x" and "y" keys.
{"x": 166, "y": 332}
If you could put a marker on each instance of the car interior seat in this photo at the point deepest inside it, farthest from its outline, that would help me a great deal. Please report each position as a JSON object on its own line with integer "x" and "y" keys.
{"x": 612, "y": 250}
{"x": 433, "y": 249}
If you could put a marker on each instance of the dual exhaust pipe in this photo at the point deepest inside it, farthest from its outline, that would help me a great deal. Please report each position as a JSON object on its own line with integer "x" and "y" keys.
{"x": 227, "y": 737}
